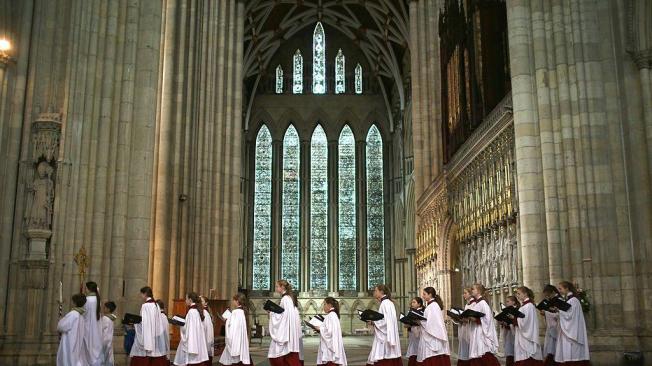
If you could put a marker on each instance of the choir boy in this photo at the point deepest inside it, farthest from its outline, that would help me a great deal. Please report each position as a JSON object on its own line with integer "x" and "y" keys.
{"x": 386, "y": 347}
{"x": 107, "y": 322}
{"x": 433, "y": 345}
{"x": 71, "y": 328}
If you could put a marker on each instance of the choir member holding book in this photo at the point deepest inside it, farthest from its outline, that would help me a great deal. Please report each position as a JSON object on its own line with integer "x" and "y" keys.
{"x": 483, "y": 341}
{"x": 386, "y": 347}
{"x": 507, "y": 332}
{"x": 433, "y": 343}
{"x": 413, "y": 334}
{"x": 286, "y": 344}
{"x": 236, "y": 349}
{"x": 331, "y": 346}
{"x": 208, "y": 329}
{"x": 192, "y": 346}
{"x": 552, "y": 323}
{"x": 71, "y": 329}
{"x": 107, "y": 322}
{"x": 572, "y": 341}
{"x": 527, "y": 351}
{"x": 149, "y": 347}
{"x": 463, "y": 331}
{"x": 93, "y": 330}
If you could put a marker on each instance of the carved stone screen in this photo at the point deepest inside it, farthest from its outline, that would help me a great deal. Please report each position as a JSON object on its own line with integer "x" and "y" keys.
{"x": 290, "y": 211}
{"x": 262, "y": 210}
{"x": 319, "y": 210}
{"x": 347, "y": 209}
{"x": 375, "y": 209}
{"x": 319, "y": 60}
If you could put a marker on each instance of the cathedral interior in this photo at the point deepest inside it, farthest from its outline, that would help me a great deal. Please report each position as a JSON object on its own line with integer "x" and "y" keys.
{"x": 218, "y": 146}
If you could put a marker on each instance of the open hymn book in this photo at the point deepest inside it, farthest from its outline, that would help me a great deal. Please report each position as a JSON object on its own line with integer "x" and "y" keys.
{"x": 226, "y": 314}
{"x": 315, "y": 322}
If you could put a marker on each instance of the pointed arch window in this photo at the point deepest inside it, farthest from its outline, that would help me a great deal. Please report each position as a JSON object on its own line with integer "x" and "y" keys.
{"x": 262, "y": 234}
{"x": 279, "y": 79}
{"x": 297, "y": 73}
{"x": 375, "y": 209}
{"x": 358, "y": 79}
{"x": 319, "y": 210}
{"x": 290, "y": 208}
{"x": 340, "y": 81}
{"x": 319, "y": 60}
{"x": 347, "y": 211}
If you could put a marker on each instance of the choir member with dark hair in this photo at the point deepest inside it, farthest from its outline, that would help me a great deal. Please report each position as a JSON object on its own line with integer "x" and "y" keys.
{"x": 433, "y": 345}
{"x": 463, "y": 331}
{"x": 507, "y": 333}
{"x": 192, "y": 346}
{"x": 166, "y": 328}
{"x": 208, "y": 329}
{"x": 552, "y": 325}
{"x": 386, "y": 347}
{"x": 107, "y": 322}
{"x": 149, "y": 347}
{"x": 413, "y": 334}
{"x": 236, "y": 350}
{"x": 483, "y": 341}
{"x": 572, "y": 341}
{"x": 286, "y": 345}
{"x": 71, "y": 328}
{"x": 331, "y": 347}
{"x": 527, "y": 351}
{"x": 93, "y": 331}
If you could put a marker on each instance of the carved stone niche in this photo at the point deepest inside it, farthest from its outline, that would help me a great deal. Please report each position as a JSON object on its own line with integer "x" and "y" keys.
{"x": 34, "y": 274}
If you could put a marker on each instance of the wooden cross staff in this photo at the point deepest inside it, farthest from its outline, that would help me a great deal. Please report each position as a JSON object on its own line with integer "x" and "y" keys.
{"x": 81, "y": 259}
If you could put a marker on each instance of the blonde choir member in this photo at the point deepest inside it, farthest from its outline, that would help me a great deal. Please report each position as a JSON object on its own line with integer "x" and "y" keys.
{"x": 71, "y": 329}
{"x": 507, "y": 333}
{"x": 483, "y": 341}
{"x": 413, "y": 334}
{"x": 192, "y": 346}
{"x": 93, "y": 331}
{"x": 552, "y": 324}
{"x": 463, "y": 331}
{"x": 386, "y": 346}
{"x": 527, "y": 351}
{"x": 572, "y": 341}
{"x": 208, "y": 329}
{"x": 166, "y": 328}
{"x": 149, "y": 348}
{"x": 236, "y": 349}
{"x": 433, "y": 343}
{"x": 286, "y": 345}
{"x": 107, "y": 322}
{"x": 331, "y": 347}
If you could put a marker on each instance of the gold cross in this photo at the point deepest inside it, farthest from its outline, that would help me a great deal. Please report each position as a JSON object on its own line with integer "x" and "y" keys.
{"x": 81, "y": 259}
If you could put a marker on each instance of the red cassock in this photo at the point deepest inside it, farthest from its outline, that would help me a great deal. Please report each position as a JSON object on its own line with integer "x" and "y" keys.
{"x": 439, "y": 360}
{"x": 549, "y": 361}
{"x": 149, "y": 361}
{"x": 412, "y": 361}
{"x": 488, "y": 359}
{"x": 290, "y": 359}
{"x": 529, "y": 362}
{"x": 388, "y": 362}
{"x": 463, "y": 362}
{"x": 575, "y": 363}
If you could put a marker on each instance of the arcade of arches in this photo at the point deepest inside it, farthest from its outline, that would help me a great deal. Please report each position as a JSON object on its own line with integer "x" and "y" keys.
{"x": 220, "y": 145}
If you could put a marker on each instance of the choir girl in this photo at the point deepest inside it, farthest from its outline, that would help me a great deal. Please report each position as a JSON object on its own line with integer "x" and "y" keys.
{"x": 386, "y": 347}
{"x": 413, "y": 334}
{"x": 286, "y": 345}
{"x": 331, "y": 347}
{"x": 236, "y": 350}
{"x": 572, "y": 341}
{"x": 93, "y": 331}
{"x": 149, "y": 347}
{"x": 192, "y": 346}
{"x": 166, "y": 328}
{"x": 433, "y": 344}
{"x": 107, "y": 321}
{"x": 463, "y": 331}
{"x": 483, "y": 341}
{"x": 71, "y": 328}
{"x": 208, "y": 329}
{"x": 507, "y": 333}
{"x": 527, "y": 351}
{"x": 552, "y": 323}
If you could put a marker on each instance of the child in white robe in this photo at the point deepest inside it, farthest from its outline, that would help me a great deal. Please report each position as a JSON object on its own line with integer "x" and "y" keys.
{"x": 527, "y": 350}
{"x": 192, "y": 346}
{"x": 71, "y": 328}
{"x": 572, "y": 340}
{"x": 463, "y": 331}
{"x": 386, "y": 347}
{"x": 286, "y": 344}
{"x": 93, "y": 333}
{"x": 166, "y": 328}
{"x": 208, "y": 329}
{"x": 413, "y": 334}
{"x": 552, "y": 323}
{"x": 433, "y": 344}
{"x": 107, "y": 322}
{"x": 507, "y": 333}
{"x": 331, "y": 346}
{"x": 149, "y": 347}
{"x": 483, "y": 341}
{"x": 236, "y": 349}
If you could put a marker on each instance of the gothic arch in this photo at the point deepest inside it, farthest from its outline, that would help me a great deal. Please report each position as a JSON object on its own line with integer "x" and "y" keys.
{"x": 259, "y": 119}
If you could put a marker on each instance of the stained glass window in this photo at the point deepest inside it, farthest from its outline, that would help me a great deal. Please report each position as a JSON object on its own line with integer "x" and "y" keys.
{"x": 347, "y": 206}
{"x": 319, "y": 210}
{"x": 339, "y": 73}
{"x": 290, "y": 208}
{"x": 358, "y": 79}
{"x": 279, "y": 79}
{"x": 375, "y": 209}
{"x": 262, "y": 210}
{"x": 297, "y": 73}
{"x": 318, "y": 60}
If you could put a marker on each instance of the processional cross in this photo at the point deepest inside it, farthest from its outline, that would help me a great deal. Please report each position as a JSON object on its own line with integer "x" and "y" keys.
{"x": 81, "y": 259}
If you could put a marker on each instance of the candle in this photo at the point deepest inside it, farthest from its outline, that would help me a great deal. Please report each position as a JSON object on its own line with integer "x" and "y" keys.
{"x": 60, "y": 292}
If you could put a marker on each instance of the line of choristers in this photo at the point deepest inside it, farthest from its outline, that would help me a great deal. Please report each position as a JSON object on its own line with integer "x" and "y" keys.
{"x": 87, "y": 330}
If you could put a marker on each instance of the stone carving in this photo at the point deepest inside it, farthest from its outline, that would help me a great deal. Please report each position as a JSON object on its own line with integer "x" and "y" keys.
{"x": 41, "y": 199}
{"x": 490, "y": 258}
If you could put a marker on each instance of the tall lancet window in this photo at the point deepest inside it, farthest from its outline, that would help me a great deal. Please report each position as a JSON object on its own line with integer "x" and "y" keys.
{"x": 375, "y": 209}
{"x": 339, "y": 73}
{"x": 290, "y": 208}
{"x": 279, "y": 79}
{"x": 319, "y": 210}
{"x": 318, "y": 60}
{"x": 358, "y": 79}
{"x": 297, "y": 73}
{"x": 262, "y": 211}
{"x": 347, "y": 208}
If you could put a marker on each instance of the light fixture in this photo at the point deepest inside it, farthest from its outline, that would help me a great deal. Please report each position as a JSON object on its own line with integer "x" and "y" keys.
{"x": 5, "y": 47}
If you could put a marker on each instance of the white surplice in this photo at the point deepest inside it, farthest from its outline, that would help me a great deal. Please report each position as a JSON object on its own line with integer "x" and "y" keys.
{"x": 210, "y": 333}
{"x": 237, "y": 339}
{"x": 93, "y": 332}
{"x": 572, "y": 342}
{"x": 387, "y": 342}
{"x": 507, "y": 334}
{"x": 285, "y": 330}
{"x": 331, "y": 346}
{"x": 482, "y": 337}
{"x": 552, "y": 329}
{"x": 150, "y": 338}
{"x": 414, "y": 333}
{"x": 434, "y": 339}
{"x": 106, "y": 358}
{"x": 526, "y": 334}
{"x": 165, "y": 336}
{"x": 71, "y": 348}
{"x": 192, "y": 346}
{"x": 463, "y": 337}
